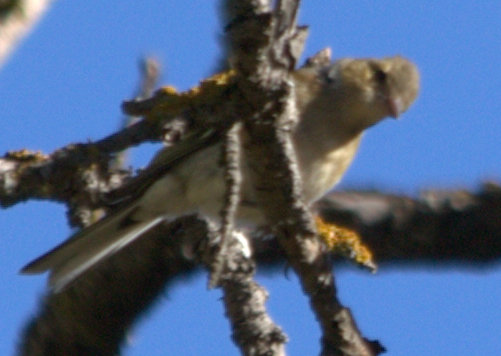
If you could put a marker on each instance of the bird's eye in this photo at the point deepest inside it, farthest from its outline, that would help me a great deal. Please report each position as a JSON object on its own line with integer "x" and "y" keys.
{"x": 330, "y": 77}
{"x": 380, "y": 76}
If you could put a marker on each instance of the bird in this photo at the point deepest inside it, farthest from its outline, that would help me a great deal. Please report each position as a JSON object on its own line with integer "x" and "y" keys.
{"x": 336, "y": 103}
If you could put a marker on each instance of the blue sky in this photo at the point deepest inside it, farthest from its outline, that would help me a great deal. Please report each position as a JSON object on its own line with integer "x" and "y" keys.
{"x": 65, "y": 84}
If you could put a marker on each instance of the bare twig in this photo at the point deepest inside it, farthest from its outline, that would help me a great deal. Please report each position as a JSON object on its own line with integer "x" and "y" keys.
{"x": 253, "y": 330}
{"x": 233, "y": 180}
{"x": 18, "y": 22}
{"x": 149, "y": 69}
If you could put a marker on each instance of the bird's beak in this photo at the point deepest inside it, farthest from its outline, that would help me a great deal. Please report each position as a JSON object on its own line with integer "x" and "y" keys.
{"x": 395, "y": 106}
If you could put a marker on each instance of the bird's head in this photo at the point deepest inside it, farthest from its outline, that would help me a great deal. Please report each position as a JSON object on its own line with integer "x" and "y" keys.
{"x": 372, "y": 89}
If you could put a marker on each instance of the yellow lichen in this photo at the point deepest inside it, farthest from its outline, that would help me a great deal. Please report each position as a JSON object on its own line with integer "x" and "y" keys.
{"x": 172, "y": 102}
{"x": 345, "y": 242}
{"x": 26, "y": 155}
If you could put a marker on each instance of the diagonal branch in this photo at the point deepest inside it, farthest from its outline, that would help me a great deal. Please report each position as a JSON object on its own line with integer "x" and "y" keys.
{"x": 233, "y": 181}
{"x": 253, "y": 330}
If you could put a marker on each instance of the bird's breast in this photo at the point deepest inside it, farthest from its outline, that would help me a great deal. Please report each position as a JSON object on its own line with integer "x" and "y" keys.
{"x": 320, "y": 171}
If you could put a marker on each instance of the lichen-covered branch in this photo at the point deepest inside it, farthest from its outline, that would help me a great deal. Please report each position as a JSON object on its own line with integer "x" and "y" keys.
{"x": 81, "y": 175}
{"x": 440, "y": 227}
{"x": 394, "y": 227}
{"x": 265, "y": 48}
{"x": 27, "y": 175}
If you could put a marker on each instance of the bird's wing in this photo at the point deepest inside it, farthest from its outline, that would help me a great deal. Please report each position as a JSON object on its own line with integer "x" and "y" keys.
{"x": 90, "y": 245}
{"x": 164, "y": 160}
{"x": 87, "y": 247}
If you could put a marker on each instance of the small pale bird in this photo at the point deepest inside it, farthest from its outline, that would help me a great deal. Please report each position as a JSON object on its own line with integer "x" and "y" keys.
{"x": 336, "y": 103}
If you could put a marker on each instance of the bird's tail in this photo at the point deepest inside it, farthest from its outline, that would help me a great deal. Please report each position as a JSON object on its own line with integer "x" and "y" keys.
{"x": 89, "y": 246}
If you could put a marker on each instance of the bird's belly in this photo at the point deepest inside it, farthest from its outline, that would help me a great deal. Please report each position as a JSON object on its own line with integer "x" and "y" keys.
{"x": 197, "y": 186}
{"x": 320, "y": 175}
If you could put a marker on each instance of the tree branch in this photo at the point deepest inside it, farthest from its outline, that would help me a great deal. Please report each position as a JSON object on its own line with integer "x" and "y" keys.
{"x": 149, "y": 69}
{"x": 440, "y": 227}
{"x": 253, "y": 330}
{"x": 233, "y": 181}
{"x": 261, "y": 41}
{"x": 87, "y": 318}
{"x": 443, "y": 228}
{"x": 393, "y": 226}
{"x": 93, "y": 315}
